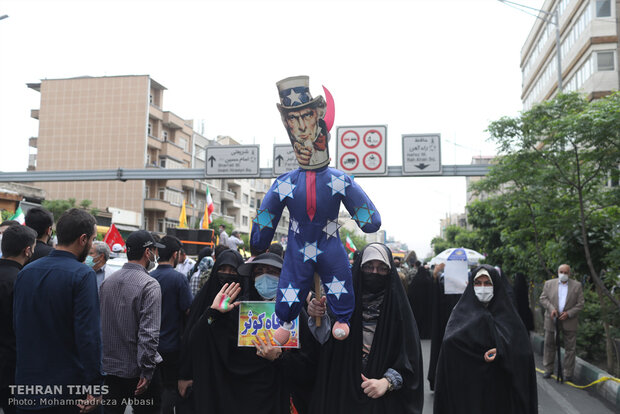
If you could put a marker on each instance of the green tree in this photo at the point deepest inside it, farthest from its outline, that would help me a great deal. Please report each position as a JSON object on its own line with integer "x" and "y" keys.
{"x": 57, "y": 207}
{"x": 551, "y": 201}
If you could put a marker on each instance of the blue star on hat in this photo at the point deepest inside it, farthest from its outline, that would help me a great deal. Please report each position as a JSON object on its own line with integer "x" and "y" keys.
{"x": 363, "y": 215}
{"x": 289, "y": 295}
{"x": 263, "y": 219}
{"x": 338, "y": 184}
{"x": 284, "y": 188}
{"x": 336, "y": 287}
{"x": 310, "y": 251}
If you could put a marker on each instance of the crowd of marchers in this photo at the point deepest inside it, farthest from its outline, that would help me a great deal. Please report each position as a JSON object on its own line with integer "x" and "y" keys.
{"x": 160, "y": 334}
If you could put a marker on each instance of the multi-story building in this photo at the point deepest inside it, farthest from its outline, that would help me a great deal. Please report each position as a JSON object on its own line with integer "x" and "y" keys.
{"x": 103, "y": 123}
{"x": 588, "y": 34}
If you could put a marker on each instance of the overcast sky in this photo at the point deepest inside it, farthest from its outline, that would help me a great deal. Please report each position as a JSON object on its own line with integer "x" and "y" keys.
{"x": 417, "y": 66}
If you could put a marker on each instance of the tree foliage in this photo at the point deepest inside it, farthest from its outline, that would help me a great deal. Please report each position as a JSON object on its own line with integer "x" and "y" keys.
{"x": 57, "y": 207}
{"x": 549, "y": 199}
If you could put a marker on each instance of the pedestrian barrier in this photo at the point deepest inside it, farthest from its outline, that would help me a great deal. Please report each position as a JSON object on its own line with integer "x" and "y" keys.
{"x": 581, "y": 387}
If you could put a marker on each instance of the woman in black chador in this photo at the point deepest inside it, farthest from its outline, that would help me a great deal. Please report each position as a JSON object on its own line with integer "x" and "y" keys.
{"x": 522, "y": 299}
{"x": 486, "y": 365}
{"x": 378, "y": 368}
{"x": 229, "y": 378}
{"x": 421, "y": 299}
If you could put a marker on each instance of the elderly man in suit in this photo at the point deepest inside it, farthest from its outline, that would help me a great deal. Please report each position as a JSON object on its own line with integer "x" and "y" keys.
{"x": 562, "y": 298}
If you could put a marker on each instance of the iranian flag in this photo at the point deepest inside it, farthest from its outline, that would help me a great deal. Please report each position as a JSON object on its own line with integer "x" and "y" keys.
{"x": 206, "y": 217}
{"x": 349, "y": 245}
{"x": 19, "y": 216}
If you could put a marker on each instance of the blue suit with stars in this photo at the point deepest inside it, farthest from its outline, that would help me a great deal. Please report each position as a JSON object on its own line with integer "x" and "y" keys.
{"x": 313, "y": 244}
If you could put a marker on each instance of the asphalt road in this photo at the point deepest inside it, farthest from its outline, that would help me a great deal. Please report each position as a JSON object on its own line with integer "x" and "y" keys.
{"x": 553, "y": 398}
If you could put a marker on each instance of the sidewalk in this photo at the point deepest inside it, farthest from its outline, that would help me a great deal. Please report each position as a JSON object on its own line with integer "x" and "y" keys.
{"x": 586, "y": 373}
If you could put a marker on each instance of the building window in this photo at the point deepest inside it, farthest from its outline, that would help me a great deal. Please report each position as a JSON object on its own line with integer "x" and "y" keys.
{"x": 162, "y": 193}
{"x": 164, "y": 135}
{"x": 160, "y": 225}
{"x": 252, "y": 202}
{"x": 182, "y": 142}
{"x": 245, "y": 220}
{"x": 150, "y": 129}
{"x": 603, "y": 8}
{"x": 605, "y": 60}
{"x": 146, "y": 191}
{"x": 246, "y": 199}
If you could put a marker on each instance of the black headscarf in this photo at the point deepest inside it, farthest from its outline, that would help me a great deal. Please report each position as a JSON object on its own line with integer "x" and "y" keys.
{"x": 522, "y": 300}
{"x": 396, "y": 345}
{"x": 441, "y": 308}
{"x": 465, "y": 382}
{"x": 420, "y": 299}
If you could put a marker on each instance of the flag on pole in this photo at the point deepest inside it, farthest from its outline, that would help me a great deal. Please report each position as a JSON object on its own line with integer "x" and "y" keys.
{"x": 113, "y": 236}
{"x": 19, "y": 216}
{"x": 349, "y": 245}
{"x": 183, "y": 217}
{"x": 206, "y": 217}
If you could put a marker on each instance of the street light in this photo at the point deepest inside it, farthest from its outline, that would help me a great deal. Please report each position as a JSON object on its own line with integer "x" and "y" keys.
{"x": 555, "y": 20}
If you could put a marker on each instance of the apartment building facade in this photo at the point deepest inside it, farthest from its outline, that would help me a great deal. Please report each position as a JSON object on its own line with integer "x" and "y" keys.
{"x": 588, "y": 47}
{"x": 103, "y": 123}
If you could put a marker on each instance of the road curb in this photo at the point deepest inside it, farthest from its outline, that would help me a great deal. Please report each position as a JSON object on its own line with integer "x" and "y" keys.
{"x": 585, "y": 373}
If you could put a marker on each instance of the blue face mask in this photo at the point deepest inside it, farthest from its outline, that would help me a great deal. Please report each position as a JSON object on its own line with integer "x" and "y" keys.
{"x": 89, "y": 261}
{"x": 266, "y": 285}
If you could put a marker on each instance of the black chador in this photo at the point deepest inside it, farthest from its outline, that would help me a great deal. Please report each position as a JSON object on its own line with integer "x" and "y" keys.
{"x": 395, "y": 344}
{"x": 420, "y": 299}
{"x": 465, "y": 382}
{"x": 442, "y": 306}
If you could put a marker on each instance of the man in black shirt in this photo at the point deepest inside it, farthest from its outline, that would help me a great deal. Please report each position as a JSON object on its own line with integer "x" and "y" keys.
{"x": 41, "y": 221}
{"x": 17, "y": 245}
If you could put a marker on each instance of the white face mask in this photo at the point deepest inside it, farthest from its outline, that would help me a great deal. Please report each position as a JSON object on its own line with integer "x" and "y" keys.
{"x": 484, "y": 293}
{"x": 563, "y": 277}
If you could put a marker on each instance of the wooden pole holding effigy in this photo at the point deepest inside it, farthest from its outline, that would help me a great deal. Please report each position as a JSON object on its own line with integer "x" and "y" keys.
{"x": 317, "y": 293}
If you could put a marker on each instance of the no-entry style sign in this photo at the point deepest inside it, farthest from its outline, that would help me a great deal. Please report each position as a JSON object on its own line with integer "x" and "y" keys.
{"x": 362, "y": 150}
{"x": 421, "y": 154}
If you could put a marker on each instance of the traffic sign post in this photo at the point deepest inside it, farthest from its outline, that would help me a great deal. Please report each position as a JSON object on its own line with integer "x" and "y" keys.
{"x": 362, "y": 150}
{"x": 232, "y": 161}
{"x": 421, "y": 154}
{"x": 284, "y": 159}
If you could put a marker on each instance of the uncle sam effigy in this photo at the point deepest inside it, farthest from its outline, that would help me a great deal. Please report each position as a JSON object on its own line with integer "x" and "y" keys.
{"x": 312, "y": 193}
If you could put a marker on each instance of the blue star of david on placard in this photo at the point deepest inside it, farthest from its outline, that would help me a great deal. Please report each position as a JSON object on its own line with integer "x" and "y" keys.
{"x": 363, "y": 215}
{"x": 338, "y": 184}
{"x": 336, "y": 287}
{"x": 294, "y": 226}
{"x": 289, "y": 295}
{"x": 284, "y": 188}
{"x": 310, "y": 251}
{"x": 263, "y": 219}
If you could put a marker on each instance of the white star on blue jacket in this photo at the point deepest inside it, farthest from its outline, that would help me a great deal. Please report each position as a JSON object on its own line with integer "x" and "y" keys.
{"x": 284, "y": 188}
{"x": 294, "y": 226}
{"x": 336, "y": 287}
{"x": 289, "y": 295}
{"x": 310, "y": 251}
{"x": 338, "y": 184}
{"x": 331, "y": 228}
